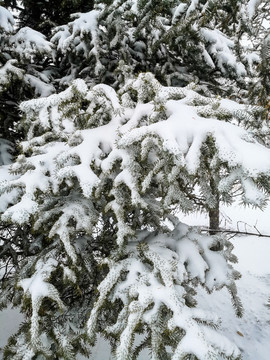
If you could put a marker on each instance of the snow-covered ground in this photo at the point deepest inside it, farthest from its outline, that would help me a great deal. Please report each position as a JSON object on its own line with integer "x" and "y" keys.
{"x": 251, "y": 333}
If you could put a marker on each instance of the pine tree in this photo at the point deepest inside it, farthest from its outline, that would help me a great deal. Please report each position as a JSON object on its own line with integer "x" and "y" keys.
{"x": 43, "y": 15}
{"x": 23, "y": 75}
{"x": 100, "y": 176}
{"x": 25, "y": 72}
{"x": 106, "y": 165}
{"x": 259, "y": 90}
{"x": 178, "y": 41}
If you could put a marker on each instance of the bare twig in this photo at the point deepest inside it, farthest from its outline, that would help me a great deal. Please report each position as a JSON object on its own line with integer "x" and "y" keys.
{"x": 259, "y": 234}
{"x": 255, "y": 227}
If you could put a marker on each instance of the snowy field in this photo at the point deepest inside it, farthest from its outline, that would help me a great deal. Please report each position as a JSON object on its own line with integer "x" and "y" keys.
{"x": 251, "y": 333}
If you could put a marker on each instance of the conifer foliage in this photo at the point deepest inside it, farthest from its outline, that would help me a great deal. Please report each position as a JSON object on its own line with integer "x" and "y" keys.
{"x": 106, "y": 165}
{"x": 24, "y": 73}
{"x": 178, "y": 41}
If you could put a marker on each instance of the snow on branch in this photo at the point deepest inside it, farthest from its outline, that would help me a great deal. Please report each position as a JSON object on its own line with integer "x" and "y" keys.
{"x": 147, "y": 288}
{"x": 105, "y": 171}
{"x": 28, "y": 42}
{"x": 7, "y": 21}
{"x": 74, "y": 37}
{"x": 170, "y": 119}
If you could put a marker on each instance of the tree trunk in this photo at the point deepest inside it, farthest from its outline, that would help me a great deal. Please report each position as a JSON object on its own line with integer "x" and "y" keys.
{"x": 214, "y": 219}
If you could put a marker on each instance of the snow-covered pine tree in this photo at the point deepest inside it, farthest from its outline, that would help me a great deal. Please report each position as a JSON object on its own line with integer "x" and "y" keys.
{"x": 24, "y": 72}
{"x": 263, "y": 86}
{"x": 9, "y": 74}
{"x": 43, "y": 15}
{"x": 101, "y": 176}
{"x": 178, "y": 41}
{"x": 259, "y": 89}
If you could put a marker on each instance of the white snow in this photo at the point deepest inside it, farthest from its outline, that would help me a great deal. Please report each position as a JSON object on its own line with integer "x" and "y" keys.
{"x": 251, "y": 332}
{"x": 178, "y": 10}
{"x": 6, "y": 20}
{"x": 41, "y": 88}
{"x": 220, "y": 49}
{"x": 7, "y": 198}
{"x": 9, "y": 70}
{"x": 37, "y": 285}
{"x": 73, "y": 35}
{"x": 27, "y": 42}
{"x": 83, "y": 24}
{"x": 251, "y": 7}
{"x": 192, "y": 7}
{"x": 184, "y": 132}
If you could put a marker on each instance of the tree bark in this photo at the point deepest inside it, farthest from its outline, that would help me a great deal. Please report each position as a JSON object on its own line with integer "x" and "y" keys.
{"x": 214, "y": 219}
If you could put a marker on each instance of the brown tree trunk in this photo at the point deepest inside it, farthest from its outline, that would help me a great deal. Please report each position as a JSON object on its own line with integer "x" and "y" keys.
{"x": 214, "y": 212}
{"x": 214, "y": 219}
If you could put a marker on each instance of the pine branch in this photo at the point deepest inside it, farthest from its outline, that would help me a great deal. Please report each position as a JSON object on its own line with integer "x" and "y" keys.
{"x": 235, "y": 232}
